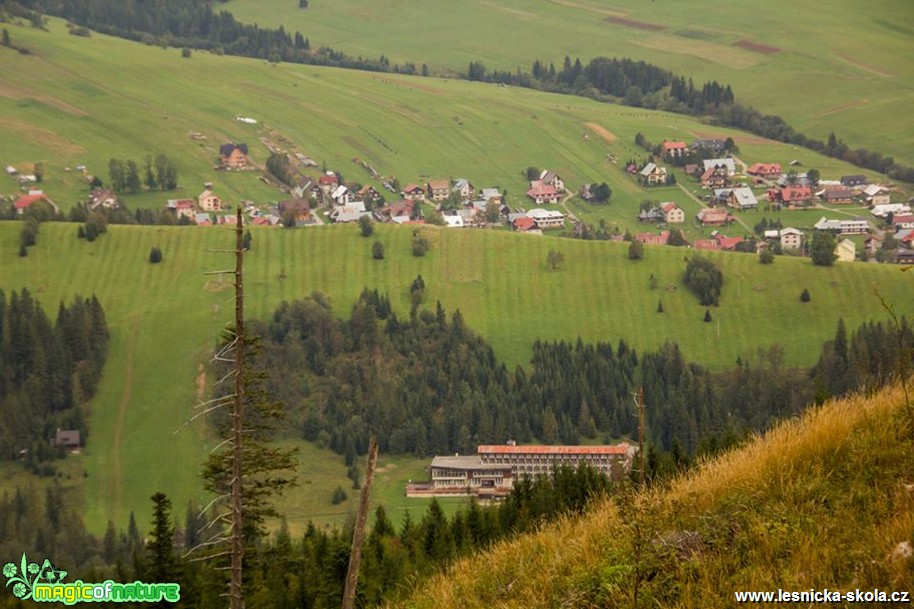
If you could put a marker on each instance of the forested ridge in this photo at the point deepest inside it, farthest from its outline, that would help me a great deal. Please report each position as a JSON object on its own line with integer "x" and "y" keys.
{"x": 48, "y": 370}
{"x": 429, "y": 385}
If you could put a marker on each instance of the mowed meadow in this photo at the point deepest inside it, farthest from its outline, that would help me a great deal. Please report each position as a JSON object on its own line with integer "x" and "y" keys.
{"x": 845, "y": 68}
{"x": 78, "y": 100}
{"x": 166, "y": 318}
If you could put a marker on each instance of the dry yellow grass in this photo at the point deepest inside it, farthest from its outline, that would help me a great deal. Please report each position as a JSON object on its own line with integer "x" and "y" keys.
{"x": 818, "y": 502}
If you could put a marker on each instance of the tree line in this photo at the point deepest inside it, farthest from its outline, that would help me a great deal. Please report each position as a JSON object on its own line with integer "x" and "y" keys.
{"x": 429, "y": 385}
{"x": 308, "y": 571}
{"x": 48, "y": 371}
{"x": 159, "y": 173}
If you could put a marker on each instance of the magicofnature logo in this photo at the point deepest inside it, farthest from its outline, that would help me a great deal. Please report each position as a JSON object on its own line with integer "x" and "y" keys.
{"x": 44, "y": 584}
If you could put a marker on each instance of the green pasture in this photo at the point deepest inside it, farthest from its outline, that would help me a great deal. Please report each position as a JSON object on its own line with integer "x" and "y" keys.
{"x": 844, "y": 68}
{"x": 87, "y": 100}
{"x": 165, "y": 319}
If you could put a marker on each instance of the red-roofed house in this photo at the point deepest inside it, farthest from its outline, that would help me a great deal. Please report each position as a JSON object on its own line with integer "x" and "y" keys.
{"x": 523, "y": 224}
{"x": 653, "y": 239}
{"x": 23, "y": 203}
{"x": 765, "y": 170}
{"x": 728, "y": 244}
{"x": 903, "y": 221}
{"x": 706, "y": 244}
{"x": 672, "y": 213}
{"x": 715, "y": 177}
{"x": 413, "y": 192}
{"x": 791, "y": 194}
{"x": 541, "y": 192}
{"x": 328, "y": 182}
{"x": 673, "y": 149}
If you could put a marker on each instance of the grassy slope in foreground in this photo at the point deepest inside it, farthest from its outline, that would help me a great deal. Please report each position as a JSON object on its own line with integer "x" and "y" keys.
{"x": 165, "y": 318}
{"x": 817, "y": 503}
{"x": 845, "y": 69}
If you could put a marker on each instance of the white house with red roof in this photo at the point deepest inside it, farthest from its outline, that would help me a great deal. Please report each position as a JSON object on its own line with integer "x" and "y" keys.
{"x": 673, "y": 150}
{"x": 672, "y": 213}
{"x": 540, "y": 193}
{"x": 24, "y": 202}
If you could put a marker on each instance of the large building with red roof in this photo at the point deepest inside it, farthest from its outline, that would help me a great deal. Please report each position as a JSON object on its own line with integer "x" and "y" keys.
{"x": 493, "y": 470}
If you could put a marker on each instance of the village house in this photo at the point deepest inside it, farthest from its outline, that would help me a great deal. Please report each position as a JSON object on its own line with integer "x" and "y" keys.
{"x": 400, "y": 209}
{"x": 855, "y": 226}
{"x": 692, "y": 169}
{"x": 299, "y": 208}
{"x": 68, "y": 439}
{"x": 706, "y": 244}
{"x": 727, "y": 244}
{"x": 846, "y": 251}
{"x": 904, "y": 256}
{"x": 413, "y": 192}
{"x": 872, "y": 244}
{"x": 438, "y": 190}
{"x": 328, "y": 182}
{"x": 104, "y": 198}
{"x": 490, "y": 194}
{"x": 540, "y": 193}
{"x": 464, "y": 188}
{"x": 453, "y": 220}
{"x": 653, "y": 239}
{"x": 672, "y": 213}
{"x": 654, "y": 214}
{"x": 791, "y": 238}
{"x": 714, "y": 146}
{"x": 524, "y": 224}
{"x": 875, "y": 195}
{"x": 903, "y": 221}
{"x": 737, "y": 198}
{"x": 182, "y": 208}
{"x": 727, "y": 163}
{"x": 715, "y": 177}
{"x": 769, "y": 171}
{"x": 24, "y": 202}
{"x": 369, "y": 194}
{"x": 209, "y": 201}
{"x": 790, "y": 195}
{"x": 854, "y": 180}
{"x": 341, "y": 195}
{"x": 673, "y": 150}
{"x": 883, "y": 211}
{"x": 714, "y": 216}
{"x": 905, "y": 237}
{"x": 233, "y": 156}
{"x": 349, "y": 213}
{"x": 794, "y": 179}
{"x": 547, "y": 218}
{"x": 551, "y": 179}
{"x": 837, "y": 196}
{"x": 305, "y": 187}
{"x": 652, "y": 174}
{"x": 202, "y": 218}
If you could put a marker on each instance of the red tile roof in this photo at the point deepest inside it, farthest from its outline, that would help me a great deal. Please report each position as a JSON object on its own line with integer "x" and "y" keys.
{"x": 764, "y": 169}
{"x": 652, "y": 239}
{"x": 796, "y": 193}
{"x": 27, "y": 200}
{"x": 673, "y": 145}
{"x": 706, "y": 244}
{"x": 728, "y": 243}
{"x": 503, "y": 449}
{"x": 668, "y": 207}
{"x": 524, "y": 224}
{"x": 538, "y": 188}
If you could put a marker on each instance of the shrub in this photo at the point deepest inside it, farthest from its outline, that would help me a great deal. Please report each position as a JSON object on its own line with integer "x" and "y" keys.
{"x": 155, "y": 255}
{"x": 366, "y": 226}
{"x": 339, "y": 496}
{"x": 707, "y": 315}
{"x": 635, "y": 250}
{"x": 805, "y": 296}
{"x": 377, "y": 250}
{"x": 766, "y": 256}
{"x": 704, "y": 279}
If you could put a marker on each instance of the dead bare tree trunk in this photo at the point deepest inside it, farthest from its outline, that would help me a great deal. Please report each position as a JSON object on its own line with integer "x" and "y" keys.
{"x": 236, "y": 595}
{"x": 355, "y": 557}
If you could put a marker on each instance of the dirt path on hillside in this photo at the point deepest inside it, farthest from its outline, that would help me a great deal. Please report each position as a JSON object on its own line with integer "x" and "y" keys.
{"x": 564, "y": 204}
{"x": 607, "y": 135}
{"x": 122, "y": 417}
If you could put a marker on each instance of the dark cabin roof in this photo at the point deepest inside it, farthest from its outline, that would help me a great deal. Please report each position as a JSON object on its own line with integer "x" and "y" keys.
{"x": 227, "y": 149}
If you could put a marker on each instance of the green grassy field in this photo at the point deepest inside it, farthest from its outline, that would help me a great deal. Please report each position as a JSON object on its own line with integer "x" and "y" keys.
{"x": 87, "y": 100}
{"x": 845, "y": 69}
{"x": 165, "y": 319}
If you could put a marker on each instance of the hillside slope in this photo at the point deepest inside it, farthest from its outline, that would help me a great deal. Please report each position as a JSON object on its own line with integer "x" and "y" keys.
{"x": 820, "y": 502}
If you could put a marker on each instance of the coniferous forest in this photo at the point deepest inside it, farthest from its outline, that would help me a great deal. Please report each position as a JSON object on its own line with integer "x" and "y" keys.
{"x": 48, "y": 371}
